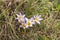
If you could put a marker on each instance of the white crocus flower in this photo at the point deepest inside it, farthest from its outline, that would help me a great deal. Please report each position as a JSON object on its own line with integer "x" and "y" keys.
{"x": 20, "y": 17}
{"x": 24, "y": 26}
{"x": 37, "y": 19}
{"x": 24, "y": 23}
{"x": 29, "y": 23}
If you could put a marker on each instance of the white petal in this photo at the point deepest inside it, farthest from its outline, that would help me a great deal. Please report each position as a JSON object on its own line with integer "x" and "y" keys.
{"x": 27, "y": 26}
{"x": 19, "y": 20}
{"x": 38, "y": 22}
{"x": 17, "y": 15}
{"x": 40, "y": 19}
{"x": 20, "y": 13}
{"x": 39, "y": 15}
{"x": 33, "y": 22}
{"x": 30, "y": 24}
{"x": 23, "y": 15}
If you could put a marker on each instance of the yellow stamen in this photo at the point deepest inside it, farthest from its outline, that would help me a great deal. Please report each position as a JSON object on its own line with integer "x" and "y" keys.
{"x": 23, "y": 25}
{"x": 36, "y": 18}
{"x": 29, "y": 23}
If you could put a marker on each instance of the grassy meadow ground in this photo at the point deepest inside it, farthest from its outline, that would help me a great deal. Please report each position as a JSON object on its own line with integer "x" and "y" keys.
{"x": 49, "y": 29}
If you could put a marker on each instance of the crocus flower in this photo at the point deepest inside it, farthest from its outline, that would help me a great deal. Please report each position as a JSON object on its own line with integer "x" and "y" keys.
{"x": 20, "y": 17}
{"x": 29, "y": 23}
{"x": 23, "y": 25}
{"x": 37, "y": 19}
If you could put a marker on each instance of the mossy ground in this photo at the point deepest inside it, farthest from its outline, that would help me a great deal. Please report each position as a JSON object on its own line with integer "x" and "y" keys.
{"x": 49, "y": 29}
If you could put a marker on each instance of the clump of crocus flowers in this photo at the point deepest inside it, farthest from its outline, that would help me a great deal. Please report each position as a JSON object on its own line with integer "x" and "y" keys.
{"x": 26, "y": 23}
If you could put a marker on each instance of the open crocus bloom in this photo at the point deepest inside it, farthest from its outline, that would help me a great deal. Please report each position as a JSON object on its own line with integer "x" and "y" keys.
{"x": 37, "y": 19}
{"x": 29, "y": 23}
{"x": 20, "y": 17}
{"x": 24, "y": 26}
